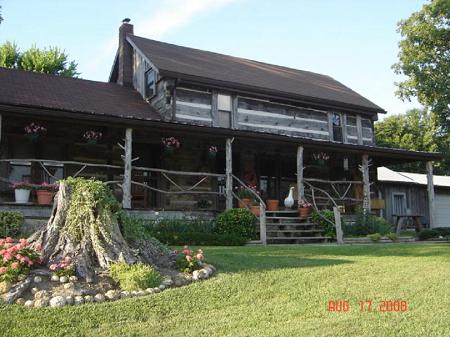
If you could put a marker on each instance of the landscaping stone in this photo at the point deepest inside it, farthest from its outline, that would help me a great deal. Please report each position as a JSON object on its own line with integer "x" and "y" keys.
{"x": 41, "y": 294}
{"x": 168, "y": 282}
{"x": 55, "y": 278}
{"x": 20, "y": 301}
{"x": 17, "y": 291}
{"x": 78, "y": 300}
{"x": 69, "y": 300}
{"x": 34, "y": 290}
{"x": 63, "y": 279}
{"x": 149, "y": 291}
{"x": 29, "y": 303}
{"x": 195, "y": 275}
{"x": 140, "y": 293}
{"x": 162, "y": 287}
{"x": 69, "y": 286}
{"x": 112, "y": 295}
{"x": 5, "y": 286}
{"x": 156, "y": 290}
{"x": 88, "y": 299}
{"x": 57, "y": 302}
{"x": 133, "y": 293}
{"x": 73, "y": 278}
{"x": 41, "y": 303}
{"x": 178, "y": 283}
{"x": 99, "y": 298}
{"x": 124, "y": 294}
{"x": 37, "y": 279}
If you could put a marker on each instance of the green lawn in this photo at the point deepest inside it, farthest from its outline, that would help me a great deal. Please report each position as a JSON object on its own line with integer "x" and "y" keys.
{"x": 273, "y": 291}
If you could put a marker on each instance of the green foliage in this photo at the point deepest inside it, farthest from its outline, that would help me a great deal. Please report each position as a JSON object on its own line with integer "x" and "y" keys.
{"x": 181, "y": 226}
{"x": 200, "y": 238}
{"x": 392, "y": 236}
{"x": 426, "y": 234}
{"x": 443, "y": 231}
{"x": 135, "y": 276}
{"x": 325, "y": 219}
{"x": 237, "y": 221}
{"x": 50, "y": 60}
{"x": 374, "y": 237}
{"x": 16, "y": 259}
{"x": 366, "y": 224}
{"x": 10, "y": 223}
{"x": 424, "y": 58}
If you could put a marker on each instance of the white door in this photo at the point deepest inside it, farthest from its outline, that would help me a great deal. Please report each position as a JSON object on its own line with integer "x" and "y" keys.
{"x": 442, "y": 210}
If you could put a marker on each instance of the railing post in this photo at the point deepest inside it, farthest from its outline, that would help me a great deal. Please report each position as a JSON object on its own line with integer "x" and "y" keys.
{"x": 430, "y": 188}
{"x": 229, "y": 174}
{"x": 300, "y": 185}
{"x": 262, "y": 223}
{"x": 338, "y": 223}
{"x": 366, "y": 183}
{"x": 127, "y": 161}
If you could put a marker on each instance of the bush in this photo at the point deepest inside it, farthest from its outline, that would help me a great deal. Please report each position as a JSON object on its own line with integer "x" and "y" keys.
{"x": 443, "y": 231}
{"x": 135, "y": 276}
{"x": 366, "y": 224}
{"x": 16, "y": 259}
{"x": 428, "y": 234}
{"x": 187, "y": 261}
{"x": 237, "y": 221}
{"x": 325, "y": 219}
{"x": 374, "y": 237}
{"x": 10, "y": 223}
{"x": 392, "y": 236}
{"x": 180, "y": 226}
{"x": 200, "y": 239}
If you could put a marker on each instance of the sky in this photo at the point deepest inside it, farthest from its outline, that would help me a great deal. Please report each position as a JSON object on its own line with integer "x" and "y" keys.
{"x": 353, "y": 41}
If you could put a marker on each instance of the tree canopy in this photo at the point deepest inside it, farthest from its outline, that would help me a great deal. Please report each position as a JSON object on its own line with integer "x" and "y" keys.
{"x": 50, "y": 60}
{"x": 424, "y": 58}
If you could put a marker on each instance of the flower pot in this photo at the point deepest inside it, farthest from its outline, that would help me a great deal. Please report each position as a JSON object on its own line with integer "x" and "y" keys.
{"x": 304, "y": 212}
{"x": 273, "y": 205}
{"x": 211, "y": 155}
{"x": 22, "y": 195}
{"x": 245, "y": 203}
{"x": 91, "y": 141}
{"x": 169, "y": 150}
{"x": 255, "y": 210}
{"x": 44, "y": 197}
{"x": 33, "y": 137}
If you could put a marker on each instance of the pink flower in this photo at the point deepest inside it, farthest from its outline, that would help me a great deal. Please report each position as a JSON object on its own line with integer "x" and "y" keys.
{"x": 15, "y": 265}
{"x": 18, "y": 257}
{"x": 200, "y": 256}
{"x": 7, "y": 256}
{"x": 53, "y": 267}
{"x": 38, "y": 247}
{"x": 187, "y": 252}
{"x": 23, "y": 242}
{"x": 188, "y": 258}
{"x": 9, "y": 240}
{"x": 3, "y": 270}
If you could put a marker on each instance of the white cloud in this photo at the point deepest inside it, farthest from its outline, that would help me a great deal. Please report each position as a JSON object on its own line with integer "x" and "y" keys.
{"x": 168, "y": 16}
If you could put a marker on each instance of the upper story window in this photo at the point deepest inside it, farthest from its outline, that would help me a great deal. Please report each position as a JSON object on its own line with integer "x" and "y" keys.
{"x": 224, "y": 110}
{"x": 337, "y": 127}
{"x": 150, "y": 83}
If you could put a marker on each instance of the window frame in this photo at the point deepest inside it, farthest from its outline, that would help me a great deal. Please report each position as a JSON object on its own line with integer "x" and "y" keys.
{"x": 146, "y": 86}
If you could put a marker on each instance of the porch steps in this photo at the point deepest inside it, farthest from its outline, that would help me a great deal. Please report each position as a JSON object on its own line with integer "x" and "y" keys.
{"x": 285, "y": 226}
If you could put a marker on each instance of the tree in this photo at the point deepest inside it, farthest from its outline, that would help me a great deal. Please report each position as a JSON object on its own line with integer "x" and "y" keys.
{"x": 48, "y": 60}
{"x": 417, "y": 130}
{"x": 424, "y": 58}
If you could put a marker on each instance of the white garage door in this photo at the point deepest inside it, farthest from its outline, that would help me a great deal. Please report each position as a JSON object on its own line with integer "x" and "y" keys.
{"x": 442, "y": 210}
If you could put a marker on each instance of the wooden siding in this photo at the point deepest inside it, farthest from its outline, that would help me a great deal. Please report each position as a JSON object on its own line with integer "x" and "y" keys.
{"x": 140, "y": 66}
{"x": 194, "y": 107}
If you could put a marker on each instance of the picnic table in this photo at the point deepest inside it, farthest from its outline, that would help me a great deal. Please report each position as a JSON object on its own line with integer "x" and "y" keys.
{"x": 400, "y": 219}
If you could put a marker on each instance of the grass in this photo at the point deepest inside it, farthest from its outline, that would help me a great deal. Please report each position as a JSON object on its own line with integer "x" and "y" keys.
{"x": 273, "y": 291}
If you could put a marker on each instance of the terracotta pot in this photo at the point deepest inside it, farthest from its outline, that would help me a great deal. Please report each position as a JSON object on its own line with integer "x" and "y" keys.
{"x": 44, "y": 197}
{"x": 304, "y": 212}
{"x": 273, "y": 205}
{"x": 22, "y": 195}
{"x": 244, "y": 203}
{"x": 255, "y": 210}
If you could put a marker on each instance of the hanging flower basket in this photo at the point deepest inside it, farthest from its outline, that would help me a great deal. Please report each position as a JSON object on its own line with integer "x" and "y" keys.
{"x": 212, "y": 152}
{"x": 92, "y": 137}
{"x": 170, "y": 144}
{"x": 321, "y": 158}
{"x": 34, "y": 131}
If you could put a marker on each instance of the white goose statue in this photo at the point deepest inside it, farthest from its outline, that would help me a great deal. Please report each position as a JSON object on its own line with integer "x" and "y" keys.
{"x": 289, "y": 201}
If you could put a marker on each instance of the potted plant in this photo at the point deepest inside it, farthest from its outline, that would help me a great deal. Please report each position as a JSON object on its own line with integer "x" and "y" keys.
{"x": 170, "y": 144}
{"x": 34, "y": 131}
{"x": 22, "y": 192}
{"x": 255, "y": 209}
{"x": 304, "y": 208}
{"x": 273, "y": 204}
{"x": 320, "y": 158}
{"x": 92, "y": 137}
{"x": 45, "y": 193}
{"x": 245, "y": 196}
{"x": 212, "y": 152}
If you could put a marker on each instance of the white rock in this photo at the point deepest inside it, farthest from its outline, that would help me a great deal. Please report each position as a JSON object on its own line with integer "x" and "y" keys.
{"x": 149, "y": 291}
{"x": 156, "y": 290}
{"x": 29, "y": 303}
{"x": 20, "y": 301}
{"x": 37, "y": 279}
{"x": 178, "y": 283}
{"x": 88, "y": 299}
{"x": 168, "y": 282}
{"x": 140, "y": 293}
{"x": 73, "y": 278}
{"x": 195, "y": 275}
{"x": 78, "y": 300}
{"x": 124, "y": 294}
{"x": 99, "y": 298}
{"x": 34, "y": 290}
{"x": 134, "y": 293}
{"x": 202, "y": 274}
{"x": 162, "y": 287}
{"x": 69, "y": 286}
{"x": 112, "y": 295}
{"x": 55, "y": 278}
{"x": 57, "y": 302}
{"x": 63, "y": 279}
{"x": 69, "y": 300}
{"x": 41, "y": 294}
{"x": 41, "y": 303}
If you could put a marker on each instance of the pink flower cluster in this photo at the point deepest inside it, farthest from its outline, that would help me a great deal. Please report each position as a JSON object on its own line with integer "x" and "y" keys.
{"x": 22, "y": 185}
{"x": 171, "y": 142}
{"x": 34, "y": 128}
{"x": 212, "y": 149}
{"x": 64, "y": 267}
{"x": 321, "y": 156}
{"x": 47, "y": 187}
{"x": 304, "y": 204}
{"x": 189, "y": 254}
{"x": 92, "y": 135}
{"x": 16, "y": 258}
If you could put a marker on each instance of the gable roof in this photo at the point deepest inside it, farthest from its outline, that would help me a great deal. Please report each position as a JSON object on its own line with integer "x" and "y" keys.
{"x": 185, "y": 62}
{"x": 31, "y": 89}
{"x": 386, "y": 175}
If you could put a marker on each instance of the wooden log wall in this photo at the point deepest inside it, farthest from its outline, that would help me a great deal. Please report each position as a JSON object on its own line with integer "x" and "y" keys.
{"x": 194, "y": 107}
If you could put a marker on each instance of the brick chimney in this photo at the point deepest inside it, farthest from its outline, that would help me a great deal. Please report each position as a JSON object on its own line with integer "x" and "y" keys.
{"x": 125, "y": 74}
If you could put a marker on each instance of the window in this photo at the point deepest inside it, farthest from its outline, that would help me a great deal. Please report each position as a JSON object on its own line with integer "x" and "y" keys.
{"x": 337, "y": 127}
{"x": 224, "y": 110}
{"x": 150, "y": 83}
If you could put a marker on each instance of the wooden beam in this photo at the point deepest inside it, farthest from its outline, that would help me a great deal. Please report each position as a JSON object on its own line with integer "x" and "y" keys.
{"x": 127, "y": 161}
{"x": 234, "y": 112}
{"x": 338, "y": 223}
{"x": 330, "y": 125}
{"x": 430, "y": 185}
{"x": 366, "y": 182}
{"x": 344, "y": 128}
{"x": 359, "y": 129}
{"x": 214, "y": 108}
{"x": 300, "y": 185}
{"x": 229, "y": 173}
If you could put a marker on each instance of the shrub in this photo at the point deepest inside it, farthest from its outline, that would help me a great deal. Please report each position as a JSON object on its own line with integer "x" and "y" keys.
{"x": 180, "y": 226}
{"x": 200, "y": 239}
{"x": 187, "y": 261}
{"x": 443, "y": 231}
{"x": 392, "y": 236}
{"x": 236, "y": 221}
{"x": 10, "y": 223}
{"x": 16, "y": 259}
{"x": 426, "y": 234}
{"x": 367, "y": 224}
{"x": 137, "y": 276}
{"x": 325, "y": 219}
{"x": 374, "y": 237}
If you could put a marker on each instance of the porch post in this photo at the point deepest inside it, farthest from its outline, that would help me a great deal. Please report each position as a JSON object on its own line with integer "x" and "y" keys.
{"x": 126, "y": 184}
{"x": 430, "y": 192}
{"x": 229, "y": 174}
{"x": 300, "y": 185}
{"x": 366, "y": 182}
